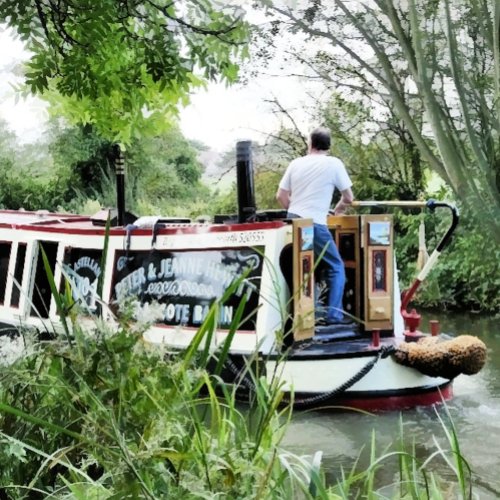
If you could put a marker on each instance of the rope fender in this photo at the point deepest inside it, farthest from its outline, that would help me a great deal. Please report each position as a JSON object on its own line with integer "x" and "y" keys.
{"x": 383, "y": 352}
{"x": 443, "y": 356}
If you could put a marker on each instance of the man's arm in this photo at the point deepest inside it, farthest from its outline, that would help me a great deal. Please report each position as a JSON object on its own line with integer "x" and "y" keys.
{"x": 344, "y": 202}
{"x": 283, "y": 197}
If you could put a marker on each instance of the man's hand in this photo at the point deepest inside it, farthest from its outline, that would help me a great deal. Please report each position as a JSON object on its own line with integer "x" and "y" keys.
{"x": 283, "y": 197}
{"x": 345, "y": 201}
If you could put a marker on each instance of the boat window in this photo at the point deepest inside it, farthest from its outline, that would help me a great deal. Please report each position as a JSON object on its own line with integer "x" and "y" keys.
{"x": 5, "y": 248}
{"x": 18, "y": 274}
{"x": 41, "y": 291}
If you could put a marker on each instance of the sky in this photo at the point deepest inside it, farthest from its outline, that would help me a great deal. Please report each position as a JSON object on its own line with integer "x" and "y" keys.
{"x": 218, "y": 116}
{"x": 26, "y": 117}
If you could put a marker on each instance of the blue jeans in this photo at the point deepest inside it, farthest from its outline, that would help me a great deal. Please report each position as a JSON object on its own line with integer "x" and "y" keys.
{"x": 325, "y": 248}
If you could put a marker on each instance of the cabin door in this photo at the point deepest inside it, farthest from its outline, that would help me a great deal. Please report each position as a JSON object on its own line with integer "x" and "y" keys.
{"x": 303, "y": 279}
{"x": 41, "y": 295}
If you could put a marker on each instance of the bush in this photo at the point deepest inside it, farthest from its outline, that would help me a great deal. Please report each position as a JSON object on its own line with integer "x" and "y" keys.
{"x": 467, "y": 274}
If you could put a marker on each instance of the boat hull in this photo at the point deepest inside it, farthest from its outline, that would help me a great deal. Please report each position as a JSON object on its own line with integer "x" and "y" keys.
{"x": 343, "y": 374}
{"x": 377, "y": 401}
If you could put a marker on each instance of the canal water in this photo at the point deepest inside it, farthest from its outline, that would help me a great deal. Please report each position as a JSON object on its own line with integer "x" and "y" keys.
{"x": 346, "y": 437}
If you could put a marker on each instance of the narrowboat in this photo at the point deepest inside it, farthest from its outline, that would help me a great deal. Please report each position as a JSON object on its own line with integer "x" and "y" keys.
{"x": 174, "y": 270}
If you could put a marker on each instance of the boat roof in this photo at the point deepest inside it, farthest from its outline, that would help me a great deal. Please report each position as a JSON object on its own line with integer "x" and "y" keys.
{"x": 43, "y": 220}
{"x": 40, "y": 217}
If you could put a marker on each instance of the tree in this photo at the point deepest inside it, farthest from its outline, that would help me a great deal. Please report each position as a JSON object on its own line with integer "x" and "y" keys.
{"x": 7, "y": 144}
{"x": 449, "y": 56}
{"x": 125, "y": 65}
{"x": 384, "y": 163}
{"x": 166, "y": 171}
{"x": 163, "y": 171}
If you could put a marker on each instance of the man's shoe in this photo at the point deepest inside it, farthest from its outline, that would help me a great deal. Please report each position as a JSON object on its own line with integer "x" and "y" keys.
{"x": 320, "y": 320}
{"x": 340, "y": 321}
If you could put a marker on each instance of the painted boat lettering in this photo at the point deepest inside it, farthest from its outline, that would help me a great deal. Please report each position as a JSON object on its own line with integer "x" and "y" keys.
{"x": 241, "y": 237}
{"x": 82, "y": 272}
{"x": 186, "y": 283}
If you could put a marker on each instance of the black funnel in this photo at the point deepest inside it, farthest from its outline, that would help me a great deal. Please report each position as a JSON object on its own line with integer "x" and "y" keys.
{"x": 119, "y": 163}
{"x": 244, "y": 180}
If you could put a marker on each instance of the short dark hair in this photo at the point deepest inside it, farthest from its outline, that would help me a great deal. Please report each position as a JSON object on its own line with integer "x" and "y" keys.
{"x": 320, "y": 139}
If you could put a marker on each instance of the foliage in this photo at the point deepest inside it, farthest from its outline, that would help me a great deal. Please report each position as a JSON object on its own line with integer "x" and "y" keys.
{"x": 163, "y": 173}
{"x": 466, "y": 277}
{"x": 384, "y": 164}
{"x": 124, "y": 66}
{"x": 31, "y": 159}
{"x": 165, "y": 170}
{"x": 19, "y": 190}
{"x": 415, "y": 478}
{"x": 7, "y": 143}
{"x": 23, "y": 181}
{"x": 116, "y": 417}
{"x": 434, "y": 65}
{"x": 265, "y": 184}
{"x": 112, "y": 417}
{"x": 162, "y": 169}
{"x": 103, "y": 413}
{"x": 81, "y": 160}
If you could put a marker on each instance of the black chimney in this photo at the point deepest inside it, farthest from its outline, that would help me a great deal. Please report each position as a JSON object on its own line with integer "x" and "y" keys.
{"x": 120, "y": 184}
{"x": 244, "y": 180}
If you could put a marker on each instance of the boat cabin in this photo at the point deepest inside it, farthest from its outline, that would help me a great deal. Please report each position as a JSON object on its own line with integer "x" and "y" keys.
{"x": 181, "y": 267}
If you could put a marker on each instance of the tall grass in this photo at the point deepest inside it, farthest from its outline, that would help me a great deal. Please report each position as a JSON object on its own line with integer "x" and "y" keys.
{"x": 106, "y": 415}
{"x": 414, "y": 478}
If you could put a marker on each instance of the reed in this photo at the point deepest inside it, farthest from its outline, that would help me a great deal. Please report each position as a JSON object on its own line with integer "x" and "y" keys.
{"x": 414, "y": 478}
{"x": 105, "y": 415}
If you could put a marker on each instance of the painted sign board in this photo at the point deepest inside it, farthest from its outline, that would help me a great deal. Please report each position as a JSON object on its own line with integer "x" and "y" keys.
{"x": 82, "y": 268}
{"x": 186, "y": 283}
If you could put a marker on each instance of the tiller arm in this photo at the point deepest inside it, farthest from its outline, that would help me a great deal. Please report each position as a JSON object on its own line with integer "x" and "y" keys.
{"x": 431, "y": 205}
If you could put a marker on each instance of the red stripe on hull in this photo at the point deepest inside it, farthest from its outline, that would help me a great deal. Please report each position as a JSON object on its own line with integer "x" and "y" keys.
{"x": 387, "y": 403}
{"x": 87, "y": 228}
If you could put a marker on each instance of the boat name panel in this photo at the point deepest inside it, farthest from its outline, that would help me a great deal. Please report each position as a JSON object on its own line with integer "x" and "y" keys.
{"x": 178, "y": 287}
{"x": 82, "y": 268}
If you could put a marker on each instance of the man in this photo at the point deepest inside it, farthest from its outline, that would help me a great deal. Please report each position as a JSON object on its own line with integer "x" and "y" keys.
{"x": 306, "y": 191}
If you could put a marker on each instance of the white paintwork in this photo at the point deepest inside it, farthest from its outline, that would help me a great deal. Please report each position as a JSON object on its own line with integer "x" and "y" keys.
{"x": 317, "y": 376}
{"x": 428, "y": 265}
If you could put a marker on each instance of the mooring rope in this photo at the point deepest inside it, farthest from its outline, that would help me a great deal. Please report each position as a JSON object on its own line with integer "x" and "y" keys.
{"x": 383, "y": 352}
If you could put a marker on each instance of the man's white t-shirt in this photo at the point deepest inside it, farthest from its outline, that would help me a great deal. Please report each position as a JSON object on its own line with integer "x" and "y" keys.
{"x": 311, "y": 181}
